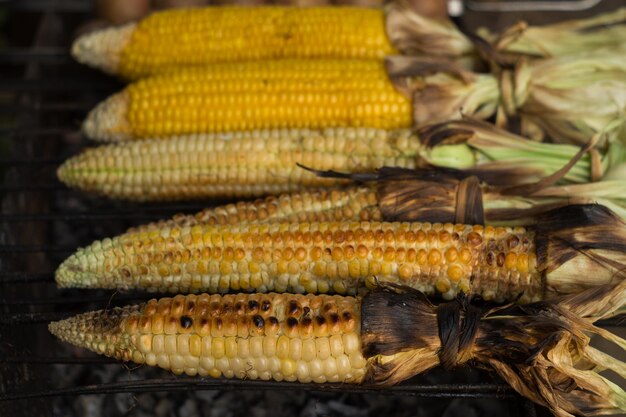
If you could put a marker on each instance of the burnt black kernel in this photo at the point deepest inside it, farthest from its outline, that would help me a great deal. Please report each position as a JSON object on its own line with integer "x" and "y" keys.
{"x": 253, "y": 305}
{"x": 513, "y": 241}
{"x": 273, "y": 320}
{"x": 191, "y": 306}
{"x": 293, "y": 308}
{"x": 306, "y": 311}
{"x": 347, "y": 315}
{"x": 258, "y": 321}
{"x": 186, "y": 322}
{"x": 306, "y": 321}
{"x": 266, "y": 305}
{"x": 227, "y": 308}
{"x": 500, "y": 259}
{"x": 490, "y": 258}
{"x": 333, "y": 318}
{"x": 292, "y": 322}
{"x": 320, "y": 320}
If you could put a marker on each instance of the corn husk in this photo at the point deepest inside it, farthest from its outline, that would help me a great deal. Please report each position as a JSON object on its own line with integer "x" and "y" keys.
{"x": 607, "y": 30}
{"x": 568, "y": 99}
{"x": 542, "y": 350}
{"x": 504, "y": 158}
{"x": 413, "y": 33}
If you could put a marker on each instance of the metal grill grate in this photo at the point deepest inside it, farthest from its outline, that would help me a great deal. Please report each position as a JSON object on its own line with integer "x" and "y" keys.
{"x": 43, "y": 97}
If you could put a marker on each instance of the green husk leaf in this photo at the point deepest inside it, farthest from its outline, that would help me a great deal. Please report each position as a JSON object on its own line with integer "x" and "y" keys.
{"x": 575, "y": 97}
{"x": 564, "y": 38}
{"x": 570, "y": 98}
{"x": 496, "y": 149}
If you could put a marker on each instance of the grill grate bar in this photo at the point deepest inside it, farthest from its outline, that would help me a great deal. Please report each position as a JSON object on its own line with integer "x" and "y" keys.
{"x": 32, "y": 318}
{"x": 59, "y": 360}
{"x": 46, "y": 107}
{"x": 37, "y": 133}
{"x": 113, "y": 298}
{"x": 28, "y": 249}
{"x": 188, "y": 383}
{"x": 41, "y": 162}
{"x": 20, "y": 188}
{"x": 61, "y": 85}
{"x": 36, "y": 55}
{"x": 59, "y": 6}
{"x": 26, "y": 277}
{"x": 80, "y": 217}
{"x": 147, "y": 213}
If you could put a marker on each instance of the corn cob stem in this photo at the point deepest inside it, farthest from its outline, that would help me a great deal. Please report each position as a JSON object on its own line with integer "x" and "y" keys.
{"x": 253, "y": 95}
{"x": 250, "y": 163}
{"x": 341, "y": 204}
{"x": 495, "y": 263}
{"x": 382, "y": 338}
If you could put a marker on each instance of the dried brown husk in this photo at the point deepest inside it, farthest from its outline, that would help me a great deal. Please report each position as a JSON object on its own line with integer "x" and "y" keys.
{"x": 542, "y": 349}
{"x": 441, "y": 90}
{"x": 412, "y": 33}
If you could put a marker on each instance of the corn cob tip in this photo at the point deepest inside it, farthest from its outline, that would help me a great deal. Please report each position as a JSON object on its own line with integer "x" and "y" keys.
{"x": 67, "y": 273}
{"x": 74, "y": 273}
{"x": 64, "y": 172}
{"x": 102, "y": 49}
{"x": 98, "y": 331}
{"x": 108, "y": 121}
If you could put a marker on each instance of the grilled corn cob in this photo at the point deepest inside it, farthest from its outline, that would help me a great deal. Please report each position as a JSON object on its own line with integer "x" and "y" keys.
{"x": 383, "y": 338}
{"x": 274, "y": 336}
{"x": 208, "y": 35}
{"x": 350, "y": 203}
{"x": 234, "y": 164}
{"x": 177, "y": 38}
{"x": 344, "y": 257}
{"x": 253, "y": 95}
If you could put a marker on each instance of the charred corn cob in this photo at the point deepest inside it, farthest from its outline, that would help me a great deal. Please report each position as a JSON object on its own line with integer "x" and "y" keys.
{"x": 177, "y": 38}
{"x": 350, "y": 203}
{"x": 382, "y": 338}
{"x": 253, "y": 95}
{"x": 499, "y": 264}
{"x": 274, "y": 336}
{"x": 234, "y": 164}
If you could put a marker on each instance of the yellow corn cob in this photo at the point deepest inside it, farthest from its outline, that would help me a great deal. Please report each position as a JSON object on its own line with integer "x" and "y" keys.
{"x": 496, "y": 263}
{"x": 253, "y": 95}
{"x": 350, "y": 203}
{"x": 173, "y": 38}
{"x": 274, "y": 336}
{"x": 234, "y": 164}
{"x": 382, "y": 338}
